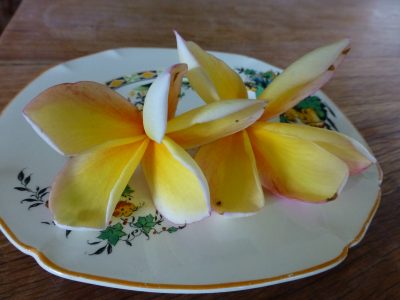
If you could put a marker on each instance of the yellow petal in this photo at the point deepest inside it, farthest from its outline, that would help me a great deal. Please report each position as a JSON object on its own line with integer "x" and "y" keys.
{"x": 209, "y": 76}
{"x": 177, "y": 72}
{"x": 353, "y": 153}
{"x": 304, "y": 77}
{"x": 178, "y": 187}
{"x": 296, "y": 168}
{"x": 75, "y": 117}
{"x": 89, "y": 187}
{"x": 213, "y": 121}
{"x": 161, "y": 101}
{"x": 230, "y": 168}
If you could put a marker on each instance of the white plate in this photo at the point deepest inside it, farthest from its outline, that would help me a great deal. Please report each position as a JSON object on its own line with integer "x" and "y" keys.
{"x": 287, "y": 240}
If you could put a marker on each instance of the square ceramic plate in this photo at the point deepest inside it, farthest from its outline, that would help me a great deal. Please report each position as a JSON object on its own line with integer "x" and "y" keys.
{"x": 140, "y": 250}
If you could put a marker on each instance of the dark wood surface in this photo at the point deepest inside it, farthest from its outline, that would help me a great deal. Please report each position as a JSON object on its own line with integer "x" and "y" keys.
{"x": 367, "y": 89}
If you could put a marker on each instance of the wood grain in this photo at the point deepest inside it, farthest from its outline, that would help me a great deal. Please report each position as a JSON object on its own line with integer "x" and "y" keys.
{"x": 367, "y": 89}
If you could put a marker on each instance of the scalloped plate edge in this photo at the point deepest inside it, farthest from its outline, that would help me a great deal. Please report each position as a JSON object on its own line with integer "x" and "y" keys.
{"x": 55, "y": 269}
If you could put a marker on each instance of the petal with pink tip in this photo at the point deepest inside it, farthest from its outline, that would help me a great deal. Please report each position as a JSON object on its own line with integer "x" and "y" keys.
{"x": 352, "y": 152}
{"x": 75, "y": 117}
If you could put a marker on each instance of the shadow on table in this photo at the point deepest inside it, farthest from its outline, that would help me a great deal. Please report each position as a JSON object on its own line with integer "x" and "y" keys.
{"x": 7, "y": 10}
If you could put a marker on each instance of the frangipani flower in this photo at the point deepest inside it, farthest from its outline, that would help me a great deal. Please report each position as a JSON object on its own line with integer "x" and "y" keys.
{"x": 108, "y": 138}
{"x": 294, "y": 161}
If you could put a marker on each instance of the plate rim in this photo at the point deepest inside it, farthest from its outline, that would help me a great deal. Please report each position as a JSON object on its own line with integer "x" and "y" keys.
{"x": 53, "y": 268}
{"x": 48, "y": 265}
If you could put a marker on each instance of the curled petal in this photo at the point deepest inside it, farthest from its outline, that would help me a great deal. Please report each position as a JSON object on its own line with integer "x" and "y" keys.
{"x": 178, "y": 187}
{"x": 75, "y": 117}
{"x": 177, "y": 73}
{"x": 230, "y": 168}
{"x": 209, "y": 76}
{"x": 296, "y": 168}
{"x": 304, "y": 77}
{"x": 161, "y": 101}
{"x": 213, "y": 121}
{"x": 352, "y": 152}
{"x": 89, "y": 187}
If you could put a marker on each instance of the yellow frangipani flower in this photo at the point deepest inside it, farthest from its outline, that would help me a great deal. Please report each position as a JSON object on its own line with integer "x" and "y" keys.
{"x": 107, "y": 138}
{"x": 293, "y": 161}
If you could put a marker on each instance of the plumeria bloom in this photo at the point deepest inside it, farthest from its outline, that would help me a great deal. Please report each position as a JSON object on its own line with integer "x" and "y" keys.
{"x": 290, "y": 160}
{"x": 107, "y": 137}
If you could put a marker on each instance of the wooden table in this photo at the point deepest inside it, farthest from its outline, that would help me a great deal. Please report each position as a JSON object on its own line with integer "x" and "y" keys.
{"x": 367, "y": 89}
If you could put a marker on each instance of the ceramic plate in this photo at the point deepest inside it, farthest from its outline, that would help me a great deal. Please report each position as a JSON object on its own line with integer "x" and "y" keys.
{"x": 140, "y": 250}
